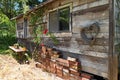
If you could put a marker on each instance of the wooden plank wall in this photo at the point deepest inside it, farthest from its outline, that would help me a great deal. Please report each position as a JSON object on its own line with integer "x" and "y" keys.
{"x": 94, "y": 59}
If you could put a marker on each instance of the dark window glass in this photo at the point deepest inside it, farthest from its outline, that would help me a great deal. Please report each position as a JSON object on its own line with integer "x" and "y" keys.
{"x": 64, "y": 19}
{"x": 25, "y": 28}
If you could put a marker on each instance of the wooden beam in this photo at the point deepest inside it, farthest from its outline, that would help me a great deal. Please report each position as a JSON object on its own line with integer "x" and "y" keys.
{"x": 93, "y": 9}
{"x": 98, "y": 41}
{"x": 113, "y": 75}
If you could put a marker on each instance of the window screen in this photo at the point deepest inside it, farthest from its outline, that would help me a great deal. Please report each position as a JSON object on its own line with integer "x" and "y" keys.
{"x": 53, "y": 21}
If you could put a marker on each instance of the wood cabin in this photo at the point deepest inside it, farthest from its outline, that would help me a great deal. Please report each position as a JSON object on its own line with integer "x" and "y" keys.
{"x": 97, "y": 51}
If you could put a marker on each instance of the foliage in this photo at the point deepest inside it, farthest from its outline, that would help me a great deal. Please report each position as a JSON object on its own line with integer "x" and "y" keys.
{"x": 53, "y": 38}
{"x": 5, "y": 41}
{"x": 37, "y": 34}
{"x": 22, "y": 59}
{"x": 37, "y": 17}
{"x": 12, "y": 8}
{"x": 7, "y": 28}
{"x": 6, "y": 6}
{"x": 7, "y": 33}
{"x": 9, "y": 9}
{"x": 33, "y": 3}
{"x": 6, "y": 25}
{"x": 40, "y": 31}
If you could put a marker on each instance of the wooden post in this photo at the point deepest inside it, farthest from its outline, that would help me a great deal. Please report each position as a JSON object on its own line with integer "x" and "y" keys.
{"x": 113, "y": 61}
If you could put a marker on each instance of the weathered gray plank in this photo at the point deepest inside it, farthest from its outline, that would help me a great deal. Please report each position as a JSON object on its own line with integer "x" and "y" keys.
{"x": 94, "y": 59}
{"x": 99, "y": 41}
{"x": 93, "y": 4}
{"x": 93, "y": 9}
{"x": 97, "y": 66}
{"x": 94, "y": 71}
{"x": 82, "y": 52}
{"x": 95, "y": 54}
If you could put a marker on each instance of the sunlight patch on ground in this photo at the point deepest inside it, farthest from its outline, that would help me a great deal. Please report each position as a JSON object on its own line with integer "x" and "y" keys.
{"x": 11, "y": 70}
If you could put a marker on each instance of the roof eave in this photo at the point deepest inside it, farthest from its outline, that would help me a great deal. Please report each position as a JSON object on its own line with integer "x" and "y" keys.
{"x": 34, "y": 9}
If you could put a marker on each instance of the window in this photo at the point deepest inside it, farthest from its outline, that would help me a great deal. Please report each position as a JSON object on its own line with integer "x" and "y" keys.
{"x": 25, "y": 28}
{"x": 22, "y": 29}
{"x": 64, "y": 19}
{"x": 20, "y": 26}
{"x": 59, "y": 20}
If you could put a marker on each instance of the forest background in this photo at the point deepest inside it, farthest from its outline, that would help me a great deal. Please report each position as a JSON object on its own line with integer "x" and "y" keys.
{"x": 8, "y": 10}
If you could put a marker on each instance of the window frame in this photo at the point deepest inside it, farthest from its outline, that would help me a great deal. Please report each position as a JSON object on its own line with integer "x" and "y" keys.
{"x": 70, "y": 18}
{"x": 19, "y": 31}
{"x": 23, "y": 30}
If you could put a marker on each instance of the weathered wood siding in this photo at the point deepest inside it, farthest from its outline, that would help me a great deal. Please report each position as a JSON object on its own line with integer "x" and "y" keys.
{"x": 27, "y": 29}
{"x": 19, "y": 33}
{"x": 94, "y": 59}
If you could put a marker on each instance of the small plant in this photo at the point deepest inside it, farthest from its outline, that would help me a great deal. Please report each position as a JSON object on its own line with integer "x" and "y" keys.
{"x": 39, "y": 31}
{"x": 16, "y": 45}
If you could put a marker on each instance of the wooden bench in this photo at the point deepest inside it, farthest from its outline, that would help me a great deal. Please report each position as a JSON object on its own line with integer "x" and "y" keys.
{"x": 20, "y": 52}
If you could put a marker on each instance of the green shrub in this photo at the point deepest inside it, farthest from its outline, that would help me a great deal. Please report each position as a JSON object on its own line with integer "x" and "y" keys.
{"x": 5, "y": 42}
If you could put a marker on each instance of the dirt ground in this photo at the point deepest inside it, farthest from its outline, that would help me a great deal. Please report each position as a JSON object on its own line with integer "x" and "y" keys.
{"x": 10, "y": 69}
